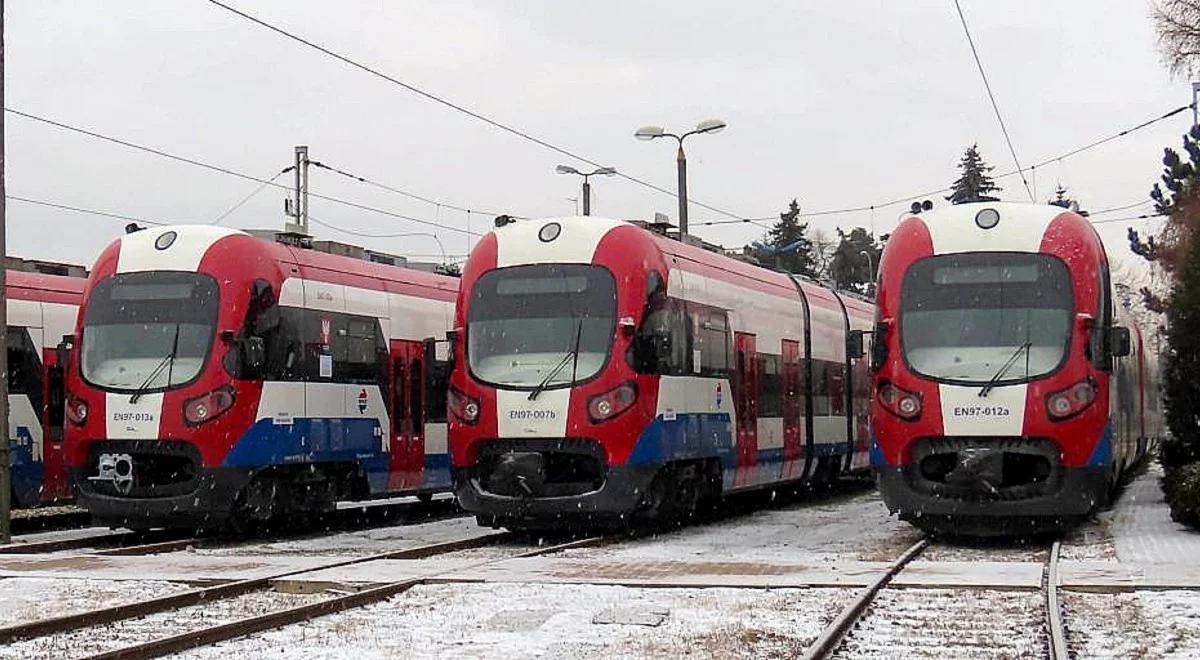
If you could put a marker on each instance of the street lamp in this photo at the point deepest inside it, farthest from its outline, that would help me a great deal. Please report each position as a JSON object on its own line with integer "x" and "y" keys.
{"x": 870, "y": 270}
{"x": 652, "y": 132}
{"x": 587, "y": 187}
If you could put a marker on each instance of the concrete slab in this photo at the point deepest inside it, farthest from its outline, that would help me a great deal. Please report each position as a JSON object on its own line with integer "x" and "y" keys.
{"x": 682, "y": 574}
{"x": 977, "y": 574}
{"x": 1128, "y": 576}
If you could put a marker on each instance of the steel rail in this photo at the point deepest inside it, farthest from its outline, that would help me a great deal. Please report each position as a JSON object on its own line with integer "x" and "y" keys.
{"x": 71, "y": 622}
{"x": 1058, "y": 631}
{"x": 832, "y": 636}
{"x": 104, "y": 539}
{"x": 278, "y": 619}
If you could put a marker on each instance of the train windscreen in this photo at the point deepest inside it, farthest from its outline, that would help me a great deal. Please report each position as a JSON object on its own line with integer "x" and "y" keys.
{"x": 148, "y": 331}
{"x": 546, "y": 325}
{"x": 980, "y": 317}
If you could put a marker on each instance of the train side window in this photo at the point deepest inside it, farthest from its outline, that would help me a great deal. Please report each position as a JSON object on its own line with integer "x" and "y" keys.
{"x": 437, "y": 380}
{"x": 24, "y": 367}
{"x": 663, "y": 345}
{"x": 770, "y": 398}
{"x": 712, "y": 343}
{"x": 837, "y": 388}
{"x": 820, "y": 387}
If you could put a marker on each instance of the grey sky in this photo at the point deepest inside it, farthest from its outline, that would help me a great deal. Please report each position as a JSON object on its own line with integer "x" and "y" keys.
{"x": 838, "y": 104}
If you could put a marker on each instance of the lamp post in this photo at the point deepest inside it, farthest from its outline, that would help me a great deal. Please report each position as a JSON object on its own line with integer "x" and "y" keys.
{"x": 870, "y": 271}
{"x": 652, "y": 132}
{"x": 587, "y": 187}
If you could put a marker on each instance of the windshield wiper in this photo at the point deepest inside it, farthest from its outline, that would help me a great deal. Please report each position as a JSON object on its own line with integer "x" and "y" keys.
{"x": 572, "y": 354}
{"x": 1012, "y": 359}
{"x": 168, "y": 362}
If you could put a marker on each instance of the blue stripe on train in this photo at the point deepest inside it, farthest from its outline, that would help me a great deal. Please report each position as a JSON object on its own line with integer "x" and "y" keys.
{"x": 1102, "y": 453}
{"x": 26, "y": 473}
{"x": 704, "y": 435}
{"x": 327, "y": 440}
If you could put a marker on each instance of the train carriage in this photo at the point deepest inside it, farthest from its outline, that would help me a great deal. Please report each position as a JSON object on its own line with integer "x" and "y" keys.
{"x": 41, "y": 309}
{"x": 1012, "y": 391}
{"x": 602, "y": 371}
{"x": 218, "y": 377}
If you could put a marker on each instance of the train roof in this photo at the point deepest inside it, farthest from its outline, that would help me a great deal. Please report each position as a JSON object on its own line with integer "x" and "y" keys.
{"x": 995, "y": 226}
{"x": 35, "y": 283}
{"x": 196, "y": 240}
{"x": 521, "y": 237}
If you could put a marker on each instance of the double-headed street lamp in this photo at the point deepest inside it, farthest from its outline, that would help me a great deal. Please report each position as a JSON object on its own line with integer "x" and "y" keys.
{"x": 651, "y": 132}
{"x": 587, "y": 187}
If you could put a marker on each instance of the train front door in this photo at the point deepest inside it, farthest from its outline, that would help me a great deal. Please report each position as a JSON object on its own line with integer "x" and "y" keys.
{"x": 406, "y": 470}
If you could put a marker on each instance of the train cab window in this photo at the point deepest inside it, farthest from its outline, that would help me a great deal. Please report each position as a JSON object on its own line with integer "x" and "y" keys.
{"x": 712, "y": 343}
{"x": 24, "y": 367}
{"x": 770, "y": 398}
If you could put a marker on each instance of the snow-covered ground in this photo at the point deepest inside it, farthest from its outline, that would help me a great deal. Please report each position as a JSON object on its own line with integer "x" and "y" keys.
{"x": 557, "y": 621}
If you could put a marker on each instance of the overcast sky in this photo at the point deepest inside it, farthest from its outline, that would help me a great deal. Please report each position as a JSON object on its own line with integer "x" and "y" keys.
{"x": 836, "y": 104}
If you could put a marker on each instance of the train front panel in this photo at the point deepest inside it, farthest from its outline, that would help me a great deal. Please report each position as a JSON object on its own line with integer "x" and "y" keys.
{"x": 999, "y": 384}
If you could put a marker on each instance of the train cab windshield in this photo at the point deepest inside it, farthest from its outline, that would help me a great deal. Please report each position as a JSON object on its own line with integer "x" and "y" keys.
{"x": 541, "y": 326}
{"x": 986, "y": 317}
{"x": 148, "y": 331}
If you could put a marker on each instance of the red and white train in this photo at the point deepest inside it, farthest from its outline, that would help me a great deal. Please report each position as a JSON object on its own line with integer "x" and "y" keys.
{"x": 1011, "y": 390}
{"x": 41, "y": 309}
{"x": 603, "y": 371}
{"x": 221, "y": 377}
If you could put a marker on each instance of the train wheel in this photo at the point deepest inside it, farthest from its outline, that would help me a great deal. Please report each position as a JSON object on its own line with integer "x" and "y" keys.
{"x": 675, "y": 493}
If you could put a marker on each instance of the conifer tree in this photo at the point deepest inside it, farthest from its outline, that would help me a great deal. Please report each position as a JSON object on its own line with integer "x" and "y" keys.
{"x": 789, "y": 248}
{"x": 974, "y": 183}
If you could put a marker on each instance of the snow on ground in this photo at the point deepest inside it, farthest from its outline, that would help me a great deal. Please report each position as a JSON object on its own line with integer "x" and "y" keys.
{"x": 357, "y": 542}
{"x": 941, "y": 623}
{"x": 844, "y": 525}
{"x": 1142, "y": 527}
{"x": 556, "y": 621}
{"x": 125, "y": 633}
{"x": 30, "y": 599}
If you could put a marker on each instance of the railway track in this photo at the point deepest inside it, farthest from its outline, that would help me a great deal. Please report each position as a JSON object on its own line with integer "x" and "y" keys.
{"x": 882, "y": 622}
{"x": 115, "y": 543}
{"x": 253, "y": 591}
{"x": 61, "y": 518}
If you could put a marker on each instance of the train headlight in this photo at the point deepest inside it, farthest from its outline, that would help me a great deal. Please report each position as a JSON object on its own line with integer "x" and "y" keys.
{"x": 77, "y": 411}
{"x": 208, "y": 407}
{"x": 608, "y": 405}
{"x": 1071, "y": 401}
{"x": 900, "y": 402}
{"x": 464, "y": 408}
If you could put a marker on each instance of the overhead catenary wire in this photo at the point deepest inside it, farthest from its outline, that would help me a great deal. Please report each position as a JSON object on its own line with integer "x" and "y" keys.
{"x": 436, "y": 203}
{"x": 1072, "y": 152}
{"x": 262, "y": 186}
{"x": 992, "y": 97}
{"x": 229, "y": 171}
{"x": 525, "y": 135}
{"x": 79, "y": 209}
{"x": 359, "y": 234}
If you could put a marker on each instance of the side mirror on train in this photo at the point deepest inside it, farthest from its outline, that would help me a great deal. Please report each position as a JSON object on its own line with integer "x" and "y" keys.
{"x": 855, "y": 345}
{"x": 1119, "y": 342}
{"x": 452, "y": 343}
{"x": 879, "y": 349}
{"x": 253, "y": 353}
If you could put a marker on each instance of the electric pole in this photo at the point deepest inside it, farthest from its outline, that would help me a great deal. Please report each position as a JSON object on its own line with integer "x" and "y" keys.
{"x": 297, "y": 207}
{"x": 5, "y": 474}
